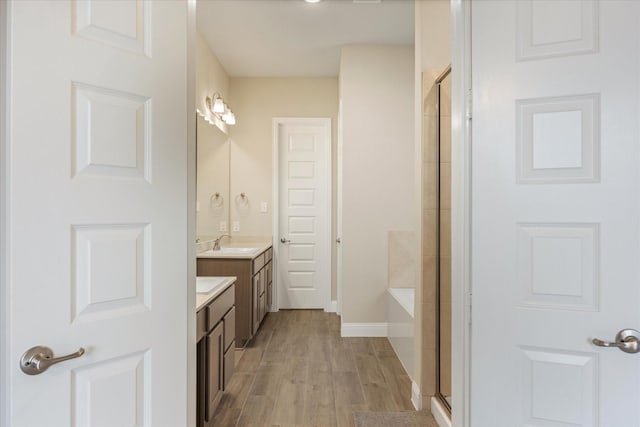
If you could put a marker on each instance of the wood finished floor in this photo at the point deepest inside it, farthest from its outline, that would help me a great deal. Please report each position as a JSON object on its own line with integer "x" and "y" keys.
{"x": 298, "y": 371}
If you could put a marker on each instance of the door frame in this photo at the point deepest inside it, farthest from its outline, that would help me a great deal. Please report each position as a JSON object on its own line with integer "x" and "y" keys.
{"x": 461, "y": 190}
{"x": 5, "y": 55}
{"x": 338, "y": 219}
{"x": 325, "y": 122}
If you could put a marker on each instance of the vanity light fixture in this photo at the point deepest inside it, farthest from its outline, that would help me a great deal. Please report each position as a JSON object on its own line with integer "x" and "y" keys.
{"x": 312, "y": 1}
{"x": 218, "y": 104}
{"x": 220, "y": 109}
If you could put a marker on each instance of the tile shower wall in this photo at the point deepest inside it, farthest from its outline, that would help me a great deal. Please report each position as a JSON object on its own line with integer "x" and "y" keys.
{"x": 402, "y": 259}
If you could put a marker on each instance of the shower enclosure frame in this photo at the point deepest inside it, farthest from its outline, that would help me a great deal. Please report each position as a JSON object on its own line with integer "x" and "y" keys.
{"x": 443, "y": 401}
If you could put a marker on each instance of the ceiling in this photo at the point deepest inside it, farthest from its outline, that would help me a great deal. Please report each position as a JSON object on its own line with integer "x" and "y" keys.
{"x": 292, "y": 38}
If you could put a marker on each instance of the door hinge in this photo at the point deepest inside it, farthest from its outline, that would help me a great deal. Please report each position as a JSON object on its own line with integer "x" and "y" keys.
{"x": 469, "y": 105}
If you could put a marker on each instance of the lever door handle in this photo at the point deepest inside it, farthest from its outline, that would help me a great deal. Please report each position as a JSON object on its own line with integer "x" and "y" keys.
{"x": 283, "y": 240}
{"x": 627, "y": 340}
{"x": 38, "y": 359}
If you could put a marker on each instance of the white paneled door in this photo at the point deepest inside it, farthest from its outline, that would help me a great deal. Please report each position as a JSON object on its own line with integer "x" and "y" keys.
{"x": 304, "y": 169}
{"x": 97, "y": 211}
{"x": 556, "y": 212}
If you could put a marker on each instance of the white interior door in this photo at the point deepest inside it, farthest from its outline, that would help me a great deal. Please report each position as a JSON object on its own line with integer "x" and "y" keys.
{"x": 97, "y": 209}
{"x": 304, "y": 260}
{"x": 555, "y": 212}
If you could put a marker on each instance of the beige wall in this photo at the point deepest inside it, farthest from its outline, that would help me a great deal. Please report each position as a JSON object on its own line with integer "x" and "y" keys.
{"x": 212, "y": 146}
{"x": 376, "y": 95}
{"x": 211, "y": 77}
{"x": 435, "y": 33}
{"x": 256, "y": 101}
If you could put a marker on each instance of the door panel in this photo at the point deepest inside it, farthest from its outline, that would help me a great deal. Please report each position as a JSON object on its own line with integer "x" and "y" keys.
{"x": 98, "y": 211}
{"x": 304, "y": 262}
{"x": 555, "y": 212}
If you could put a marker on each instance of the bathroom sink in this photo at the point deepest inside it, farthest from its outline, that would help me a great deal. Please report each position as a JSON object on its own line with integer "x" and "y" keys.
{"x": 204, "y": 285}
{"x": 234, "y": 251}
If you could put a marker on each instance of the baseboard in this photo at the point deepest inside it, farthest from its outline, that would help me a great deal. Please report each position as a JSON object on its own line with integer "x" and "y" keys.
{"x": 333, "y": 307}
{"x": 364, "y": 329}
{"x": 439, "y": 413}
{"x": 416, "y": 397}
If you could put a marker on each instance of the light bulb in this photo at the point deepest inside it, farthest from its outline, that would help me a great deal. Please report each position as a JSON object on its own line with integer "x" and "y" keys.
{"x": 231, "y": 120}
{"x": 218, "y": 106}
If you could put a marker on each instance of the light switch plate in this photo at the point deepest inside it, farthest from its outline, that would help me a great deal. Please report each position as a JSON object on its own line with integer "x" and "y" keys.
{"x": 263, "y": 207}
{"x": 236, "y": 225}
{"x": 223, "y": 226}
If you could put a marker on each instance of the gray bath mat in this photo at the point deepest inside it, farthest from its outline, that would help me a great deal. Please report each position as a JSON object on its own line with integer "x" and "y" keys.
{"x": 394, "y": 419}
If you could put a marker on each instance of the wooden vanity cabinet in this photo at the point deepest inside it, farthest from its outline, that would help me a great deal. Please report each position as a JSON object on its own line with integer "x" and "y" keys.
{"x": 253, "y": 289}
{"x": 215, "y": 353}
{"x": 215, "y": 369}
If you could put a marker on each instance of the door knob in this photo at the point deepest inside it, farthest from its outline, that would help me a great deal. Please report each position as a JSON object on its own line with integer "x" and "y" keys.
{"x": 37, "y": 359}
{"x": 283, "y": 240}
{"x": 627, "y": 340}
{"x": 338, "y": 240}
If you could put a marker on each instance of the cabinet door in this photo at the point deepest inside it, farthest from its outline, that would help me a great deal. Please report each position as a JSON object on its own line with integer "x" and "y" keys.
{"x": 215, "y": 353}
{"x": 269, "y": 285}
{"x": 201, "y": 382}
{"x": 229, "y": 328}
{"x": 229, "y": 365}
{"x": 255, "y": 305}
{"x": 263, "y": 306}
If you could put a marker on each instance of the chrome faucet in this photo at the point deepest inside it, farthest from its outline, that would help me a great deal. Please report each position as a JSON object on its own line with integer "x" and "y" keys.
{"x": 216, "y": 242}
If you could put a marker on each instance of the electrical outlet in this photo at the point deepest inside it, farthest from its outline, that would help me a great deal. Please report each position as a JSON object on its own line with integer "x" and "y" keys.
{"x": 263, "y": 207}
{"x": 236, "y": 225}
{"x": 223, "y": 226}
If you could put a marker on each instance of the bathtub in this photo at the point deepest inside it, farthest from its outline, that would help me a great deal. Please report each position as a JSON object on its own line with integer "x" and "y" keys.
{"x": 400, "y": 306}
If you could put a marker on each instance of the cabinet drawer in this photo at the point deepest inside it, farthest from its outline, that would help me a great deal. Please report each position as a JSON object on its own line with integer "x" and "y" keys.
{"x": 229, "y": 365}
{"x": 258, "y": 263}
{"x": 201, "y": 324}
{"x": 217, "y": 309}
{"x": 229, "y": 328}
{"x": 268, "y": 255}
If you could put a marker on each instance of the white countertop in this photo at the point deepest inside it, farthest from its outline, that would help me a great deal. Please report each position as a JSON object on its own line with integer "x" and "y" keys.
{"x": 261, "y": 247}
{"x": 204, "y": 299}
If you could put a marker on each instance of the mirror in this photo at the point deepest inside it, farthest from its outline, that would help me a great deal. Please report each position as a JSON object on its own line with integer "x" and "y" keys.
{"x": 212, "y": 180}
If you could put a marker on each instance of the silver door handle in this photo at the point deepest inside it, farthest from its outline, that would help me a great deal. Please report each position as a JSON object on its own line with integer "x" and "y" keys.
{"x": 627, "y": 340}
{"x": 338, "y": 240}
{"x": 38, "y": 359}
{"x": 283, "y": 240}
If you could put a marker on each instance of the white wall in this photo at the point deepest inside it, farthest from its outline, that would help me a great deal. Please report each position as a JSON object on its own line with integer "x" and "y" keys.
{"x": 377, "y": 110}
